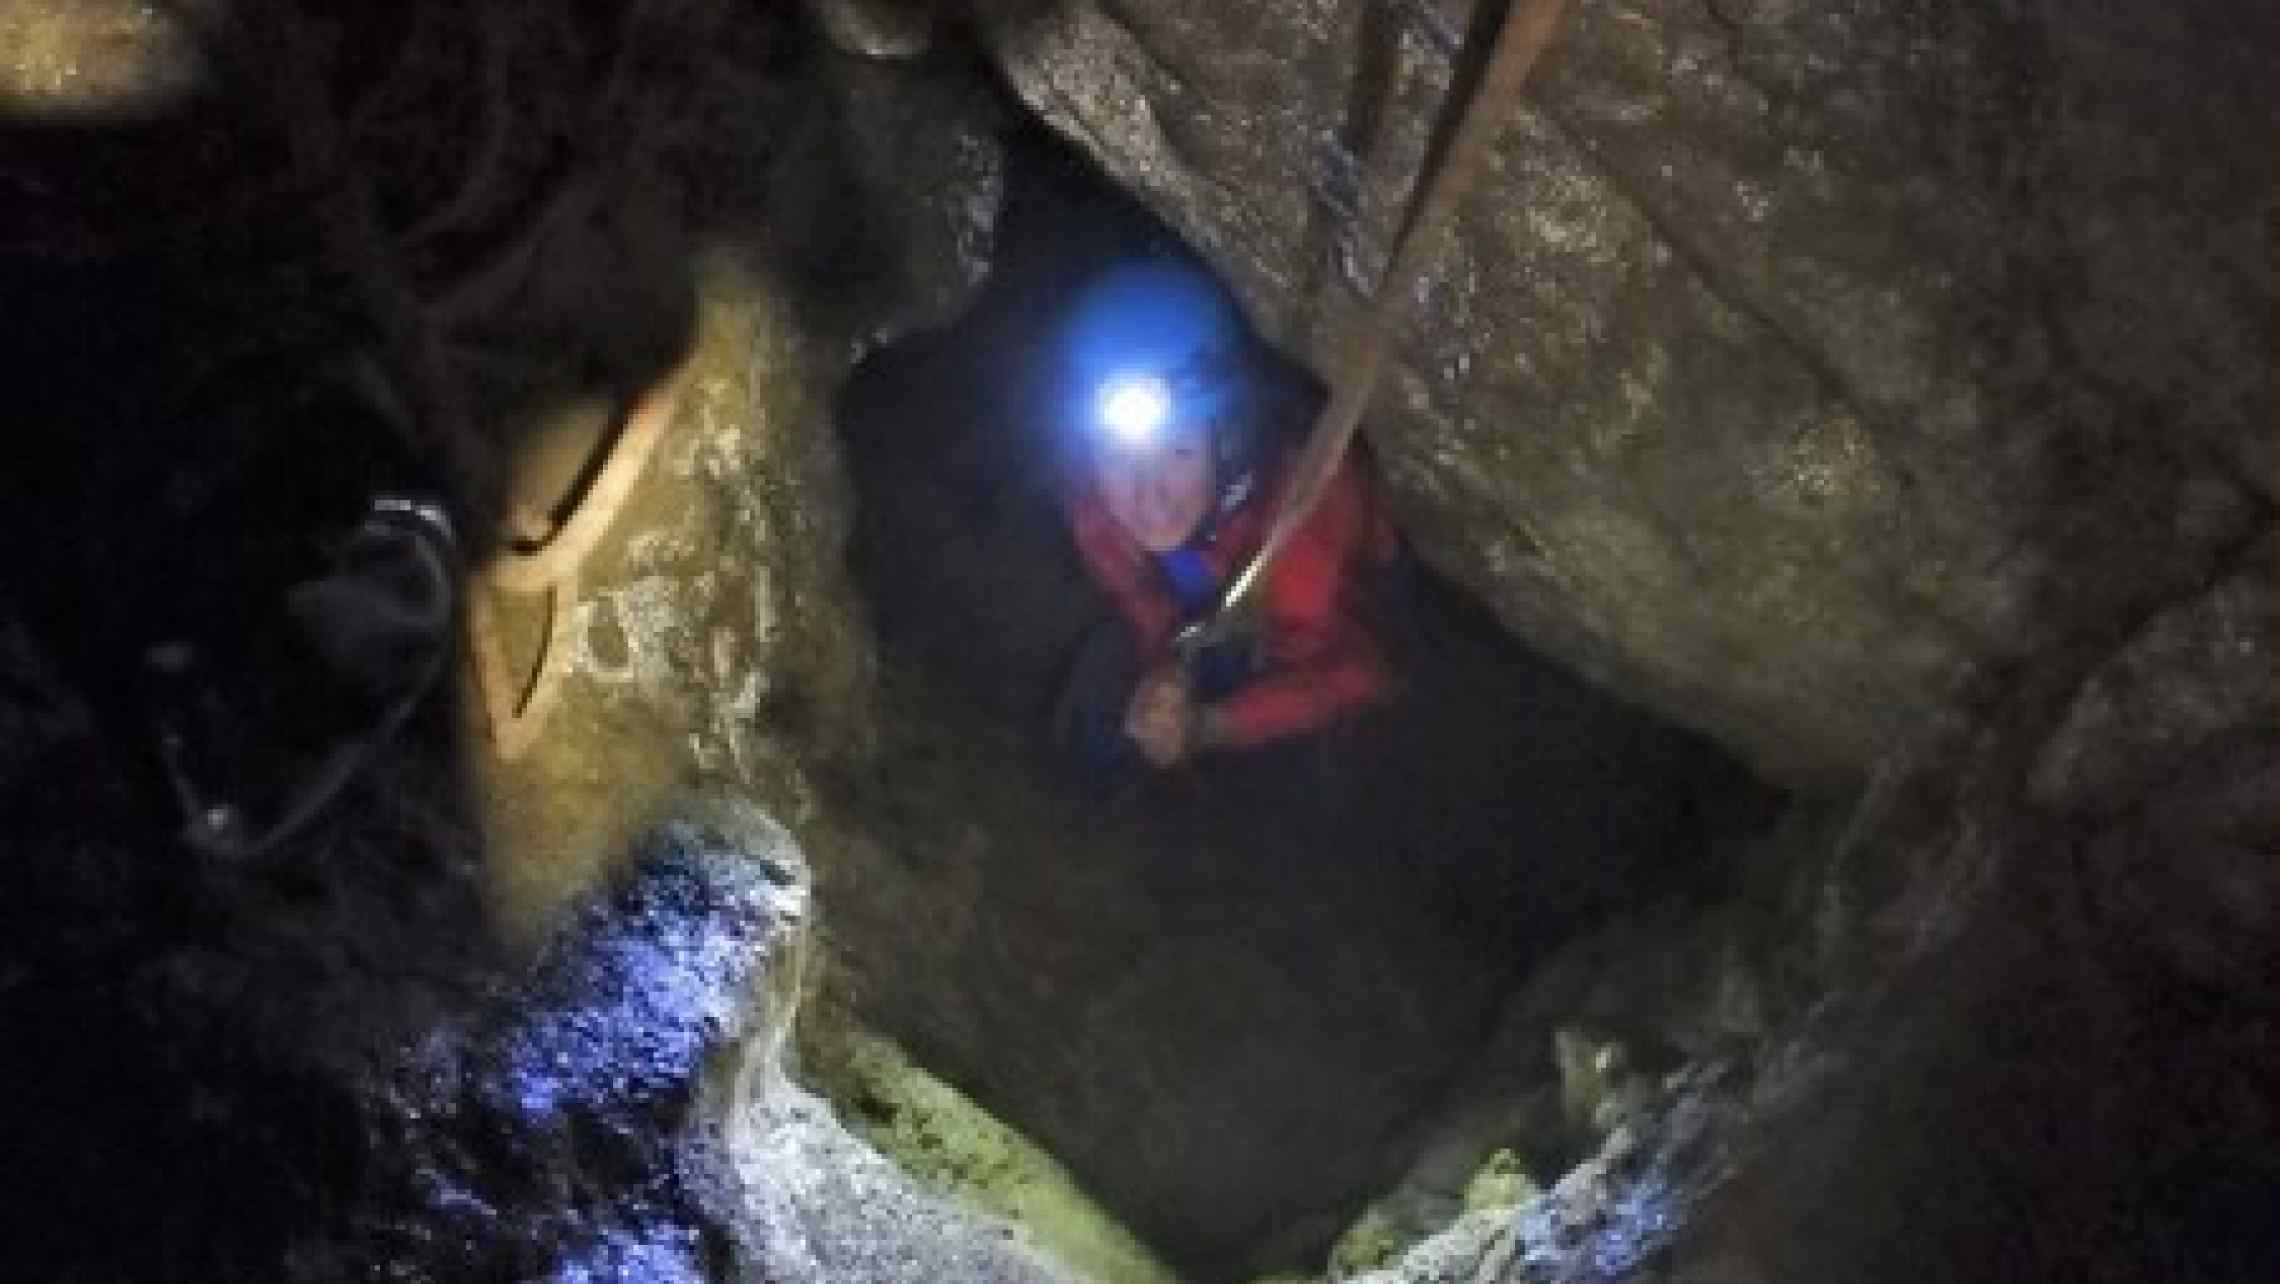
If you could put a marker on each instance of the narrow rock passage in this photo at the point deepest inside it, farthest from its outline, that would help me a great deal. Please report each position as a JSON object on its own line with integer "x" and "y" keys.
{"x": 1228, "y": 998}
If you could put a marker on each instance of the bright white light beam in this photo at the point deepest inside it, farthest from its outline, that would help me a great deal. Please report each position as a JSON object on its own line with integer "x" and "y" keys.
{"x": 1134, "y": 408}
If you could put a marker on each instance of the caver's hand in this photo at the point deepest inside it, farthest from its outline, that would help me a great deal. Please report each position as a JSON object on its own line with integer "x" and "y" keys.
{"x": 1162, "y": 718}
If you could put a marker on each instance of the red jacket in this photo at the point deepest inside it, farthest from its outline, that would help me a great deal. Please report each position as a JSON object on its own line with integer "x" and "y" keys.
{"x": 1321, "y": 660}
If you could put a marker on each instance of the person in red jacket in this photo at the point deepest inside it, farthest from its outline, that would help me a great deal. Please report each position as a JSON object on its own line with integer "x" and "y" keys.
{"x": 1173, "y": 497}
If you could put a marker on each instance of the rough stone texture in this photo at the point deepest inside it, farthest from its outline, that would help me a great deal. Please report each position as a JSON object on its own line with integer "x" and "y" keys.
{"x": 654, "y": 1027}
{"x": 822, "y": 1205}
{"x": 887, "y": 194}
{"x": 2193, "y": 672}
{"x": 2017, "y": 1016}
{"x": 1612, "y": 1217}
{"x": 1664, "y": 1005}
{"x": 573, "y": 1128}
{"x": 941, "y": 1137}
{"x": 716, "y": 638}
{"x": 315, "y": 1066}
{"x": 2059, "y": 912}
{"x": 93, "y": 57}
{"x": 1792, "y": 354}
{"x": 711, "y": 619}
{"x": 310, "y": 1070}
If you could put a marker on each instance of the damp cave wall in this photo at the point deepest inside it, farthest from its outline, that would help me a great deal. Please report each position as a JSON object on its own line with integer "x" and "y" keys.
{"x": 478, "y": 1020}
{"x": 1792, "y": 356}
{"x": 711, "y": 642}
{"x": 2150, "y": 471}
{"x": 2118, "y": 813}
{"x": 1806, "y": 353}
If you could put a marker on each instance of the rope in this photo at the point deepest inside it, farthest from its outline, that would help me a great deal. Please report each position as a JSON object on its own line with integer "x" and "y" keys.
{"x": 544, "y": 556}
{"x": 1526, "y": 29}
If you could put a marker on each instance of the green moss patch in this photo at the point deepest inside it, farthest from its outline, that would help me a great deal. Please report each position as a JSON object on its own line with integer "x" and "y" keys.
{"x": 942, "y": 1138}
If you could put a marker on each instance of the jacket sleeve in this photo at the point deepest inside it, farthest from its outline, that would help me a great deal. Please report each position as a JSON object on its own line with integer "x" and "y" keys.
{"x": 1122, "y": 571}
{"x": 1322, "y": 662}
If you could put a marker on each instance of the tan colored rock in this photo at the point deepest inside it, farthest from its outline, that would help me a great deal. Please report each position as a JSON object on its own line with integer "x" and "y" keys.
{"x": 92, "y": 57}
{"x": 712, "y": 611}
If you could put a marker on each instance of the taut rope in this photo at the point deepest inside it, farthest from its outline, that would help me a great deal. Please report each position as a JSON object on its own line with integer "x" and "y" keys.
{"x": 1520, "y": 39}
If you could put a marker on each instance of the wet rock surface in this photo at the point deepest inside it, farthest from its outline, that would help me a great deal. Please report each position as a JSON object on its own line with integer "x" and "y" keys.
{"x": 1784, "y": 361}
{"x": 824, "y": 1206}
{"x": 575, "y": 1127}
{"x": 2012, "y": 1020}
{"x": 1798, "y": 354}
{"x": 713, "y": 639}
{"x": 316, "y": 1071}
{"x": 323, "y": 1062}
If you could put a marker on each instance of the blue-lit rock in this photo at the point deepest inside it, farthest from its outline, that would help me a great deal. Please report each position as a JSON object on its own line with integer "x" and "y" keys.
{"x": 661, "y": 1254}
{"x": 646, "y": 984}
{"x": 618, "y": 1113}
{"x": 567, "y": 1128}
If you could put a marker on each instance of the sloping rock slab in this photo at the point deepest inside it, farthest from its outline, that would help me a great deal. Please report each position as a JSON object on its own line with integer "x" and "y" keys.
{"x": 1790, "y": 355}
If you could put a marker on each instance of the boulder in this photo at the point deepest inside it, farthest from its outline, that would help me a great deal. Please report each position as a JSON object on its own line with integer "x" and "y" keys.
{"x": 1789, "y": 356}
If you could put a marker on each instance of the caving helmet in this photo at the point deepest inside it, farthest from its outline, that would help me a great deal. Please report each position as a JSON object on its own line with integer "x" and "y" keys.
{"x": 1154, "y": 348}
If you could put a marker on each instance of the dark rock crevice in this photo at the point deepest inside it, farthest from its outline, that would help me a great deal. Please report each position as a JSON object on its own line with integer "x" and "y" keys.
{"x": 1277, "y": 971}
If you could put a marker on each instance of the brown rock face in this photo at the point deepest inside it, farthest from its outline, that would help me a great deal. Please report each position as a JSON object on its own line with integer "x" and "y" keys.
{"x": 1792, "y": 355}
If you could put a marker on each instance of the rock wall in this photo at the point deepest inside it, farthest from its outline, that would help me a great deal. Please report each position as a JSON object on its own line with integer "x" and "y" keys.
{"x": 1792, "y": 362}
{"x": 711, "y": 632}
{"x": 105, "y": 58}
{"x": 1791, "y": 356}
{"x": 315, "y": 1063}
{"x": 2006, "y": 1020}
{"x": 715, "y": 639}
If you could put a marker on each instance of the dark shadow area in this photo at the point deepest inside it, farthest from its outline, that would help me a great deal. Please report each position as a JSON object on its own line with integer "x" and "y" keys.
{"x": 1227, "y": 997}
{"x": 231, "y": 330}
{"x": 184, "y": 1034}
{"x": 2076, "y": 1083}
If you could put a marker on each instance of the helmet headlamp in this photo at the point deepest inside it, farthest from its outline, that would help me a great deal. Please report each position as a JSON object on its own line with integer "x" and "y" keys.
{"x": 1134, "y": 408}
